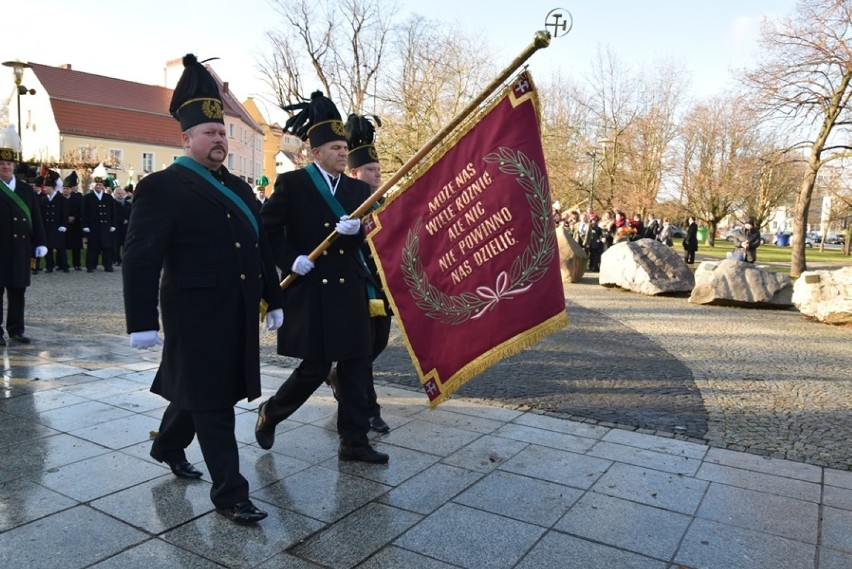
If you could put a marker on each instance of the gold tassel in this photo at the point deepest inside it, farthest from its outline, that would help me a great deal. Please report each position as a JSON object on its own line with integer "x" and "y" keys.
{"x": 263, "y": 308}
{"x": 377, "y": 307}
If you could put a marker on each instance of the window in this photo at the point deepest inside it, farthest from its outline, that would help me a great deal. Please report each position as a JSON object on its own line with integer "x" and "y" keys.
{"x": 116, "y": 157}
{"x": 231, "y": 130}
{"x": 148, "y": 161}
{"x": 230, "y": 161}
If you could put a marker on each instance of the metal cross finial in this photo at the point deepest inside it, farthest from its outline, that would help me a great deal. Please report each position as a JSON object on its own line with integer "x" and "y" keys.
{"x": 559, "y": 22}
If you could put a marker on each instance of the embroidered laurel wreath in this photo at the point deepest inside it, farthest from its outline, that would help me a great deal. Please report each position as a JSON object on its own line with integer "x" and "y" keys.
{"x": 526, "y": 269}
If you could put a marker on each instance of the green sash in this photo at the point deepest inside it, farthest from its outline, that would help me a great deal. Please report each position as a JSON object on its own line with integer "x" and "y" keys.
{"x": 16, "y": 199}
{"x": 191, "y": 164}
{"x": 377, "y": 306}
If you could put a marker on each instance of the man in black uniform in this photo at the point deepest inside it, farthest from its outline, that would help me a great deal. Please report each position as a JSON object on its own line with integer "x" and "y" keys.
{"x": 98, "y": 225}
{"x": 327, "y": 305}
{"x": 54, "y": 214}
{"x": 199, "y": 224}
{"x": 21, "y": 235}
{"x": 363, "y": 162}
{"x": 74, "y": 235}
{"x": 122, "y": 218}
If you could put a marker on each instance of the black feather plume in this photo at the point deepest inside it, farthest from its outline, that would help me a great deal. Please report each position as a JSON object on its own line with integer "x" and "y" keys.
{"x": 360, "y": 130}
{"x": 311, "y": 113}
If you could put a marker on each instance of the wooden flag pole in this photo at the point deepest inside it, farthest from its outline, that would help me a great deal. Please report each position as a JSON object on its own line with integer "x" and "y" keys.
{"x": 541, "y": 40}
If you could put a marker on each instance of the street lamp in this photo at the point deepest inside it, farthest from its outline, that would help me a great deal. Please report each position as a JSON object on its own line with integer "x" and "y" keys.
{"x": 18, "y": 73}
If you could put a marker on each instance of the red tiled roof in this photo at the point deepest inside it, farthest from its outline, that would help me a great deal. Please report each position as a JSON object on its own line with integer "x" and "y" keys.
{"x": 85, "y": 104}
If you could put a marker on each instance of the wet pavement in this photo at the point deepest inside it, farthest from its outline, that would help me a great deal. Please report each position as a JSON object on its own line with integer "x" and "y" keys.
{"x": 527, "y": 479}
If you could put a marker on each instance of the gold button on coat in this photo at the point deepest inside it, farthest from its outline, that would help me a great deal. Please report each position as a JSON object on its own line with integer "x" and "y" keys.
{"x": 325, "y": 281}
{"x": 242, "y": 277}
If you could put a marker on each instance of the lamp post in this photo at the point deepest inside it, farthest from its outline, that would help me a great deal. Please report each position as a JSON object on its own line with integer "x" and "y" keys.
{"x": 18, "y": 73}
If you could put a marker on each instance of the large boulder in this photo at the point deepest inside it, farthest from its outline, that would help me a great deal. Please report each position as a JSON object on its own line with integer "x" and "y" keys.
{"x": 645, "y": 266}
{"x": 825, "y": 295}
{"x": 735, "y": 283}
{"x": 573, "y": 260}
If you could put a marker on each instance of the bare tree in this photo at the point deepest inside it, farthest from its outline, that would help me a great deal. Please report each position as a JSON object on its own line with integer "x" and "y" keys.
{"x": 716, "y": 145}
{"x": 805, "y": 80}
{"x": 436, "y": 72}
{"x": 338, "y": 43}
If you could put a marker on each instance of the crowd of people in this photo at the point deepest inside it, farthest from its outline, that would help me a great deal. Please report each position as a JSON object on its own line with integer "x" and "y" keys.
{"x": 595, "y": 234}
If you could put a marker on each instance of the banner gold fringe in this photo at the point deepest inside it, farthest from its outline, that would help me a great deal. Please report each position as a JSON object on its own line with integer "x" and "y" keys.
{"x": 509, "y": 348}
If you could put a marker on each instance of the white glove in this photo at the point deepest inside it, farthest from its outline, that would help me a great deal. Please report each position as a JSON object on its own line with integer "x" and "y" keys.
{"x": 86, "y": 230}
{"x": 302, "y": 265}
{"x": 111, "y": 229}
{"x": 348, "y": 226}
{"x": 274, "y": 320}
{"x": 144, "y": 340}
{"x": 41, "y": 251}
{"x": 61, "y": 229}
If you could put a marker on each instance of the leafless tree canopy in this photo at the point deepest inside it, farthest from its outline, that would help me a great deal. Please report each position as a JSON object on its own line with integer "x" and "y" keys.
{"x": 805, "y": 80}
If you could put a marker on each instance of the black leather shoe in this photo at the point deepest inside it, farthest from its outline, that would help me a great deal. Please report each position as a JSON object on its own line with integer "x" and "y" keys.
{"x": 66, "y": 271}
{"x": 90, "y": 270}
{"x": 109, "y": 270}
{"x": 264, "y": 435}
{"x": 243, "y": 513}
{"x": 180, "y": 468}
{"x": 378, "y": 424}
{"x": 362, "y": 454}
{"x": 20, "y": 338}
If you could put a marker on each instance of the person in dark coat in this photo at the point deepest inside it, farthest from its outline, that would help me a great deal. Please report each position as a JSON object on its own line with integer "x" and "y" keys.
{"x": 21, "y": 236}
{"x": 751, "y": 241}
{"x": 122, "y": 218}
{"x": 54, "y": 215}
{"x": 690, "y": 242}
{"x": 74, "y": 235}
{"x": 364, "y": 165}
{"x": 99, "y": 224}
{"x": 199, "y": 225}
{"x": 327, "y": 304}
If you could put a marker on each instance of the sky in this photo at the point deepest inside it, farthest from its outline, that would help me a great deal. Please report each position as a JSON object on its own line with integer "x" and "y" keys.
{"x": 133, "y": 41}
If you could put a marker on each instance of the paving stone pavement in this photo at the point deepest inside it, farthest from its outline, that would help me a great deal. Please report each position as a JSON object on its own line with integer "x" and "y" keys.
{"x": 469, "y": 485}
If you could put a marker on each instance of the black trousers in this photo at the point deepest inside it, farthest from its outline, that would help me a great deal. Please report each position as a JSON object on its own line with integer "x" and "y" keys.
{"x": 76, "y": 254}
{"x": 380, "y": 331}
{"x": 689, "y": 257}
{"x": 92, "y": 253}
{"x": 354, "y": 377}
{"x": 56, "y": 258}
{"x": 15, "y": 314}
{"x": 215, "y": 430}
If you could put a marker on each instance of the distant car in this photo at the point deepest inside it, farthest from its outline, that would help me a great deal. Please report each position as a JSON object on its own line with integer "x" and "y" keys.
{"x": 835, "y": 239}
{"x": 809, "y": 242}
{"x": 676, "y": 232}
{"x": 737, "y": 234}
{"x": 733, "y": 234}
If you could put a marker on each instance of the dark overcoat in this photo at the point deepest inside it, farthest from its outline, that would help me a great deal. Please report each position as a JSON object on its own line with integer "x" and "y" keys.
{"x": 74, "y": 235}
{"x": 215, "y": 269}
{"x": 18, "y": 239}
{"x": 326, "y": 311}
{"x": 690, "y": 242}
{"x": 99, "y": 216}
{"x": 54, "y": 214}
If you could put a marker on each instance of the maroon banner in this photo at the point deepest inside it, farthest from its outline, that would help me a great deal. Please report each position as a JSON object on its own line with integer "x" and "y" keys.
{"x": 466, "y": 248}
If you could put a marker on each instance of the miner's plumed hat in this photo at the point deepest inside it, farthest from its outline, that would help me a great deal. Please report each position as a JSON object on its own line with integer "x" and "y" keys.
{"x": 10, "y": 144}
{"x": 360, "y": 135}
{"x": 53, "y": 179}
{"x": 196, "y": 98}
{"x": 71, "y": 180}
{"x": 318, "y": 120}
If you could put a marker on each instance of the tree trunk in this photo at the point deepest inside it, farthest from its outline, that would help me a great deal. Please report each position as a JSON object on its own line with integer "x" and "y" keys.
{"x": 800, "y": 219}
